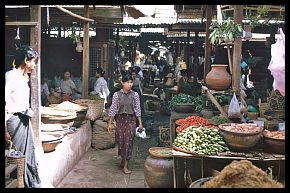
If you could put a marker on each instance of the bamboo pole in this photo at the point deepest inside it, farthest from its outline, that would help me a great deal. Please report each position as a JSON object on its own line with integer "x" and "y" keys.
{"x": 21, "y": 23}
{"x": 215, "y": 102}
{"x": 73, "y": 14}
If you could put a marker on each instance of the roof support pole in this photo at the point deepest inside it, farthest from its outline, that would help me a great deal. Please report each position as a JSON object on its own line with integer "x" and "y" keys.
{"x": 35, "y": 43}
{"x": 238, "y": 16}
{"x": 207, "y": 43}
{"x": 86, "y": 52}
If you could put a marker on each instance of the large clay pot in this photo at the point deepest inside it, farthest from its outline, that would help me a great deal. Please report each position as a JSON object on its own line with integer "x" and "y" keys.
{"x": 158, "y": 172}
{"x": 218, "y": 78}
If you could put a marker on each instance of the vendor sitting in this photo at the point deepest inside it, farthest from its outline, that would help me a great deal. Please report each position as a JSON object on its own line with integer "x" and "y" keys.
{"x": 68, "y": 88}
{"x": 169, "y": 80}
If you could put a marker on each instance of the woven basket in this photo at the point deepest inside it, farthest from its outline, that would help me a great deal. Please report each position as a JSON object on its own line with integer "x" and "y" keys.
{"x": 53, "y": 99}
{"x": 20, "y": 162}
{"x": 95, "y": 108}
{"x": 164, "y": 136}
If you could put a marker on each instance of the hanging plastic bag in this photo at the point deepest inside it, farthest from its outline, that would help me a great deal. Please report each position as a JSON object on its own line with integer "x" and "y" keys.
{"x": 277, "y": 63}
{"x": 234, "y": 108}
{"x": 140, "y": 132}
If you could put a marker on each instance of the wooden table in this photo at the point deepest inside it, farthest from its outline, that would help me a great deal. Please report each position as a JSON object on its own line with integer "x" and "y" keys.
{"x": 190, "y": 167}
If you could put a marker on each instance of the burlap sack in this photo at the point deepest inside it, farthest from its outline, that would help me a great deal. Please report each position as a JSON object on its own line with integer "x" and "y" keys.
{"x": 101, "y": 138}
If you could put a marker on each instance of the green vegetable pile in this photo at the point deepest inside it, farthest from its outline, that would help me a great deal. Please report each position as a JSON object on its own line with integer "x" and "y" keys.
{"x": 217, "y": 120}
{"x": 186, "y": 99}
{"x": 201, "y": 140}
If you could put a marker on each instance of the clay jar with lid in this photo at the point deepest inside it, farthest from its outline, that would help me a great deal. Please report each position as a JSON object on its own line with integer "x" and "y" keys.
{"x": 218, "y": 78}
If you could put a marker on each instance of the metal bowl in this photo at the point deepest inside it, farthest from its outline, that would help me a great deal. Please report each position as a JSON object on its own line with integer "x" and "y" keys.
{"x": 184, "y": 108}
{"x": 273, "y": 145}
{"x": 240, "y": 141}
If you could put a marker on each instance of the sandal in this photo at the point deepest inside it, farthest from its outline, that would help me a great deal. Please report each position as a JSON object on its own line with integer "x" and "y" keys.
{"x": 127, "y": 171}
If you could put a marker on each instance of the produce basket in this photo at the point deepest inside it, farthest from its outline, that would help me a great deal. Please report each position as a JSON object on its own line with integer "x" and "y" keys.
{"x": 180, "y": 149}
{"x": 161, "y": 152}
{"x": 101, "y": 138}
{"x": 16, "y": 157}
{"x": 241, "y": 137}
{"x": 274, "y": 141}
{"x": 184, "y": 108}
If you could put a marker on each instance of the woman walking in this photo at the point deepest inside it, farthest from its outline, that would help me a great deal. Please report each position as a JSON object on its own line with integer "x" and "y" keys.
{"x": 125, "y": 108}
{"x": 18, "y": 113}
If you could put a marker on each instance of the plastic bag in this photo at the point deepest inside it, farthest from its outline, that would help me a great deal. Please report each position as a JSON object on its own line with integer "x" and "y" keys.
{"x": 234, "y": 108}
{"x": 277, "y": 63}
{"x": 139, "y": 133}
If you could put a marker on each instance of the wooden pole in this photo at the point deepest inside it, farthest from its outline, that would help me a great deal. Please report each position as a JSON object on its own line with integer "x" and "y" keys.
{"x": 195, "y": 62}
{"x": 188, "y": 48}
{"x": 215, "y": 102}
{"x": 86, "y": 18}
{"x": 238, "y": 17}
{"x": 207, "y": 43}
{"x": 86, "y": 52}
{"x": 35, "y": 43}
{"x": 229, "y": 58}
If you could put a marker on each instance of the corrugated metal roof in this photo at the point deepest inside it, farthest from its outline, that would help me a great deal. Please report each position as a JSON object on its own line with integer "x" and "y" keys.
{"x": 189, "y": 21}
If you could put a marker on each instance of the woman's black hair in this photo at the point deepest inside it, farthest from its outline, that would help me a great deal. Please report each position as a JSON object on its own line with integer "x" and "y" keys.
{"x": 24, "y": 52}
{"x": 126, "y": 77}
{"x": 100, "y": 71}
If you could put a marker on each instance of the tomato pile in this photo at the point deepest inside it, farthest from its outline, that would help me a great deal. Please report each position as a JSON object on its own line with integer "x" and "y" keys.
{"x": 192, "y": 121}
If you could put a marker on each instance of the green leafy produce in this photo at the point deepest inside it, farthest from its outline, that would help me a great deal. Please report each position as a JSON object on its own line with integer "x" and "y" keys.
{"x": 201, "y": 140}
{"x": 216, "y": 120}
{"x": 186, "y": 99}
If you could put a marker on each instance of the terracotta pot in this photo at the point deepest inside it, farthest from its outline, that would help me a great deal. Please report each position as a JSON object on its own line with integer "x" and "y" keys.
{"x": 218, "y": 78}
{"x": 158, "y": 172}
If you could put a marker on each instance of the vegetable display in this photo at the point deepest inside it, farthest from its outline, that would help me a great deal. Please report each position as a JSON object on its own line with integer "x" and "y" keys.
{"x": 186, "y": 99}
{"x": 241, "y": 127}
{"x": 201, "y": 140}
{"x": 217, "y": 120}
{"x": 191, "y": 121}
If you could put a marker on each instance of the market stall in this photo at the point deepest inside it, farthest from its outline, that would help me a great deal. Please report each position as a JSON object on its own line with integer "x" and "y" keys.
{"x": 199, "y": 148}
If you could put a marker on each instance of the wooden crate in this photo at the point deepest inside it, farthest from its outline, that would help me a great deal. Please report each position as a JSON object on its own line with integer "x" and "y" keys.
{"x": 272, "y": 125}
{"x": 263, "y": 107}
